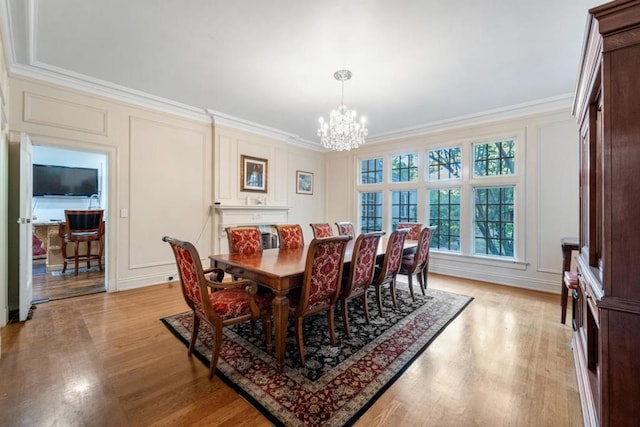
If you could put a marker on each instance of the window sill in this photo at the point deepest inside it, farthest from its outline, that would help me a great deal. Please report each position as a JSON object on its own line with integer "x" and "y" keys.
{"x": 480, "y": 260}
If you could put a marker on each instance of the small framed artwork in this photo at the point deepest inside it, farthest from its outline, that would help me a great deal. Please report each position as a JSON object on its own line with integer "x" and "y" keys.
{"x": 253, "y": 174}
{"x": 304, "y": 182}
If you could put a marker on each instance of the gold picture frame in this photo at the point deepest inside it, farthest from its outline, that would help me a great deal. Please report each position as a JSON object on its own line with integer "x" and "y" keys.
{"x": 253, "y": 174}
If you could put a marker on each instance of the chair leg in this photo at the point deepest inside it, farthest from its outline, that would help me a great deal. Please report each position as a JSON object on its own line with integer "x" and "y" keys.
{"x": 421, "y": 281}
{"x": 194, "y": 334}
{"x": 76, "y": 256}
{"x": 392, "y": 288}
{"x": 345, "y": 318}
{"x": 300, "y": 340}
{"x": 365, "y": 309}
{"x": 100, "y": 253}
{"x": 332, "y": 326}
{"x": 215, "y": 352}
{"x": 64, "y": 255}
{"x": 413, "y": 297}
{"x": 379, "y": 299}
{"x": 88, "y": 255}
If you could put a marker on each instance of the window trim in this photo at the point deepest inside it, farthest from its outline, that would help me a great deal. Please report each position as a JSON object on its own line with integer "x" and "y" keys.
{"x": 466, "y": 183}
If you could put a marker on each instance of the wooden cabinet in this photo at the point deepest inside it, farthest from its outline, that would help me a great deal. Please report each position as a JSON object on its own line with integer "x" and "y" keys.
{"x": 606, "y": 339}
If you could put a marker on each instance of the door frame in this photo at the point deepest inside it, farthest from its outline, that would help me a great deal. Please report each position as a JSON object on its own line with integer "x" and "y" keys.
{"x": 111, "y": 226}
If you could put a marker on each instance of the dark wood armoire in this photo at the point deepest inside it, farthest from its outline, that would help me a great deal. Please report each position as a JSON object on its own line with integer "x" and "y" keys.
{"x": 606, "y": 339}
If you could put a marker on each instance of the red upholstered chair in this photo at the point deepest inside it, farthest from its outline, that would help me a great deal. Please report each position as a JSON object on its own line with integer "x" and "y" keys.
{"x": 363, "y": 264}
{"x": 320, "y": 285}
{"x": 244, "y": 240}
{"x": 231, "y": 303}
{"x": 414, "y": 229}
{"x": 290, "y": 236}
{"x": 321, "y": 230}
{"x": 390, "y": 266}
{"x": 345, "y": 228}
{"x": 418, "y": 262}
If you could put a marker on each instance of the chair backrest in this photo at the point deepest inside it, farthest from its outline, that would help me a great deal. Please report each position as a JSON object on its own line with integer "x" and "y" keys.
{"x": 322, "y": 274}
{"x": 363, "y": 262}
{"x": 393, "y": 256}
{"x": 422, "y": 251}
{"x": 290, "y": 236}
{"x": 413, "y": 227}
{"x": 84, "y": 221}
{"x": 244, "y": 240}
{"x": 321, "y": 230}
{"x": 346, "y": 228}
{"x": 192, "y": 280}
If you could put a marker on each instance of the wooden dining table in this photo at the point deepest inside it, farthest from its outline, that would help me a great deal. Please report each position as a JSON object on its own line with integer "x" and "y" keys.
{"x": 282, "y": 270}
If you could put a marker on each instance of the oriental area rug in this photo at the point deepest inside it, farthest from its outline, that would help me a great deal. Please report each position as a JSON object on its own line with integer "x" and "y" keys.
{"x": 338, "y": 383}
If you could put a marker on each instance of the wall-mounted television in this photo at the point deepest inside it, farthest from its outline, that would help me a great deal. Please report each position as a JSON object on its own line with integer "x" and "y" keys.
{"x": 50, "y": 180}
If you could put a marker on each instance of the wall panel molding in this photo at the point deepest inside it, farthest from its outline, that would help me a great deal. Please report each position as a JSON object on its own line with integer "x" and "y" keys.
{"x": 63, "y": 114}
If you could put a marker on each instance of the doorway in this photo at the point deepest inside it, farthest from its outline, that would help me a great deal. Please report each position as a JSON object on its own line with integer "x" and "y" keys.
{"x": 49, "y": 203}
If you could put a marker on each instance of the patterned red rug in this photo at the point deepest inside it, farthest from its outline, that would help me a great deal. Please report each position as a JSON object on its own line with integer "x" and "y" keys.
{"x": 338, "y": 383}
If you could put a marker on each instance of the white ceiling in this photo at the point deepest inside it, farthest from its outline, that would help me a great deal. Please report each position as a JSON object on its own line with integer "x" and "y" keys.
{"x": 414, "y": 63}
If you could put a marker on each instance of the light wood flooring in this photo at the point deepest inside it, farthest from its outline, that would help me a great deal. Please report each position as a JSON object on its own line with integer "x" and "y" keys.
{"x": 106, "y": 359}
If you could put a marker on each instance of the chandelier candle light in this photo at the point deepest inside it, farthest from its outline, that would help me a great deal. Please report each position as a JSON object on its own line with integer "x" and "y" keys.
{"x": 342, "y": 132}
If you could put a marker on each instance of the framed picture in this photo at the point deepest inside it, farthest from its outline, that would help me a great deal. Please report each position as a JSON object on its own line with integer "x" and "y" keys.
{"x": 253, "y": 174}
{"x": 304, "y": 182}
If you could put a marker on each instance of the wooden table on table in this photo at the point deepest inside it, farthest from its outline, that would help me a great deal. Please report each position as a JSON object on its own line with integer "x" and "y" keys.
{"x": 282, "y": 270}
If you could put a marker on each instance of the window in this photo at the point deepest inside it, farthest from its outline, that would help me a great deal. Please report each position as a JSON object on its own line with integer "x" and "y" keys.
{"x": 493, "y": 221}
{"x": 470, "y": 191}
{"x": 371, "y": 171}
{"x": 371, "y": 212}
{"x": 404, "y": 168}
{"x": 493, "y": 159}
{"x": 445, "y": 164}
{"x": 444, "y": 213}
{"x": 404, "y": 207}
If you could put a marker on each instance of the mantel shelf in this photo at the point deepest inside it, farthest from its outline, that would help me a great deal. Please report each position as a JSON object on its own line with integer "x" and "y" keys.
{"x": 250, "y": 208}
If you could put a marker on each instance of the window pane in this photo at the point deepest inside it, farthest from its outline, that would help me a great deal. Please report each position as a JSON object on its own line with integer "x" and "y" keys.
{"x": 371, "y": 171}
{"x": 404, "y": 168}
{"x": 404, "y": 207}
{"x": 371, "y": 212}
{"x": 495, "y": 158}
{"x": 445, "y": 164}
{"x": 445, "y": 215}
{"x": 493, "y": 221}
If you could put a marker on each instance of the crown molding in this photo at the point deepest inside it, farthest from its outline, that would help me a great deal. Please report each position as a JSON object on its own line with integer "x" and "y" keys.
{"x": 61, "y": 77}
{"x": 57, "y": 76}
{"x": 541, "y": 106}
{"x": 54, "y": 75}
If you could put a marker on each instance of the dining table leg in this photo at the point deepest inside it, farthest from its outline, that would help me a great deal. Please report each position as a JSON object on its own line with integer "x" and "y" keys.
{"x": 280, "y": 320}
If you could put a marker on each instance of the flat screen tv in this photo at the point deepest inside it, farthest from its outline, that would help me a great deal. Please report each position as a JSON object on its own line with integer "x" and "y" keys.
{"x": 49, "y": 180}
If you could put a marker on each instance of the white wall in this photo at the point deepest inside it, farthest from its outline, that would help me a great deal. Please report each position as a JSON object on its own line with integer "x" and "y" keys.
{"x": 158, "y": 172}
{"x": 46, "y": 209}
{"x": 282, "y": 162}
{"x": 551, "y": 194}
{"x": 163, "y": 173}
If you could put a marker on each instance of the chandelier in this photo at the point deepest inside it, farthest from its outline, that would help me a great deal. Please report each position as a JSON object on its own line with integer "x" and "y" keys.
{"x": 342, "y": 132}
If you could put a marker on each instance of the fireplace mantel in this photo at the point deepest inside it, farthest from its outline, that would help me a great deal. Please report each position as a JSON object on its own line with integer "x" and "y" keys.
{"x": 223, "y": 208}
{"x": 264, "y": 216}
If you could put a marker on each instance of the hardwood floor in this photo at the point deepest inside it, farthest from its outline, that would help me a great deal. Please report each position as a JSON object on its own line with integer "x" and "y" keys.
{"x": 106, "y": 359}
{"x": 47, "y": 287}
